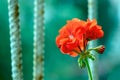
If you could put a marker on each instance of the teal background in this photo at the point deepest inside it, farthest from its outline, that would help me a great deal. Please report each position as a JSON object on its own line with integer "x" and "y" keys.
{"x": 57, "y": 65}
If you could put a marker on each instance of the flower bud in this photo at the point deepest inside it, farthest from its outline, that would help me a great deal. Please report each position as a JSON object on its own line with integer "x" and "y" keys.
{"x": 100, "y": 49}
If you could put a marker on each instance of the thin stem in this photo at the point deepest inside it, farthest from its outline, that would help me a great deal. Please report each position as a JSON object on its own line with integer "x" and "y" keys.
{"x": 90, "y": 49}
{"x": 88, "y": 69}
{"x": 84, "y": 42}
{"x": 80, "y": 49}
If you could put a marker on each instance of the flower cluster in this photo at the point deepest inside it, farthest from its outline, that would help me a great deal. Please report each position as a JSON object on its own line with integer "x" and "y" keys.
{"x": 75, "y": 35}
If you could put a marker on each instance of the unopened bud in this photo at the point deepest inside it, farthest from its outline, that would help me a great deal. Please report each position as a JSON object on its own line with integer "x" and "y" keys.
{"x": 100, "y": 49}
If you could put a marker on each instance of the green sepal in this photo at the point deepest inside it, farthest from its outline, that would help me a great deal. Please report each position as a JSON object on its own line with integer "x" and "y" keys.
{"x": 91, "y": 56}
{"x": 81, "y": 63}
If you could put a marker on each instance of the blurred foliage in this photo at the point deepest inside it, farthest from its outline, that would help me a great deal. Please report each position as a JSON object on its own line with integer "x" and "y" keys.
{"x": 57, "y": 65}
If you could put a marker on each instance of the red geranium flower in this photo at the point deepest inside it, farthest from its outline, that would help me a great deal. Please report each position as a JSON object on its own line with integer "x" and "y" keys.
{"x": 74, "y": 36}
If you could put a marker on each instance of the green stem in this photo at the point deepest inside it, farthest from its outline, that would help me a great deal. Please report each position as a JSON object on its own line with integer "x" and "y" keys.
{"x": 88, "y": 69}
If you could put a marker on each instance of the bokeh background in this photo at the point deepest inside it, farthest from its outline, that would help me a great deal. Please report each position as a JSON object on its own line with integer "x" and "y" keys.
{"x": 57, "y": 65}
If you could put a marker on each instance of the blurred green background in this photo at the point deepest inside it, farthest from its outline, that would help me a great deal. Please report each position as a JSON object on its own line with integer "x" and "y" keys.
{"x": 57, "y": 65}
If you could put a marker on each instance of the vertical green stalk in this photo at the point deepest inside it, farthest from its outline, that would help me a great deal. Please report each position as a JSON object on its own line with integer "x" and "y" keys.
{"x": 88, "y": 69}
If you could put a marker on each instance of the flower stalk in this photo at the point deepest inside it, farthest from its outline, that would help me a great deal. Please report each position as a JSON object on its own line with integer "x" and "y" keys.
{"x": 88, "y": 69}
{"x": 83, "y": 62}
{"x": 85, "y": 55}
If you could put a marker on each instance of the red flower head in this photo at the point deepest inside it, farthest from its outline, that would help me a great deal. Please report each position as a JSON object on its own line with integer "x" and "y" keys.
{"x": 72, "y": 38}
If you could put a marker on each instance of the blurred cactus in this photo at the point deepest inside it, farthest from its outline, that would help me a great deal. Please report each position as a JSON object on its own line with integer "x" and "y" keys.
{"x": 38, "y": 63}
{"x": 15, "y": 40}
{"x": 92, "y": 13}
